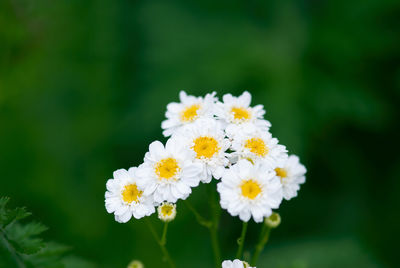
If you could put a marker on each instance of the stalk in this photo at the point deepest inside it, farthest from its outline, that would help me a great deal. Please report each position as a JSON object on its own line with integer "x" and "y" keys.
{"x": 241, "y": 241}
{"x": 264, "y": 236}
{"x": 161, "y": 242}
{"x": 16, "y": 258}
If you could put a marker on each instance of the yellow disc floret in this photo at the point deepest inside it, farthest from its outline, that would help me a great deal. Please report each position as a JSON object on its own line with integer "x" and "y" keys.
{"x": 281, "y": 172}
{"x": 205, "y": 147}
{"x": 256, "y": 146}
{"x": 167, "y": 209}
{"x": 240, "y": 113}
{"x": 250, "y": 189}
{"x": 167, "y": 168}
{"x": 190, "y": 113}
{"x": 131, "y": 193}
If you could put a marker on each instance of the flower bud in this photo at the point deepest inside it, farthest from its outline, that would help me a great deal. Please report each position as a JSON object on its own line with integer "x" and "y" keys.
{"x": 273, "y": 221}
{"x": 166, "y": 211}
{"x": 135, "y": 264}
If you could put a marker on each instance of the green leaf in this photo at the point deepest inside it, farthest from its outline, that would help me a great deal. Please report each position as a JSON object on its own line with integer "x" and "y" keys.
{"x": 23, "y": 237}
{"x": 21, "y": 246}
{"x": 7, "y": 216}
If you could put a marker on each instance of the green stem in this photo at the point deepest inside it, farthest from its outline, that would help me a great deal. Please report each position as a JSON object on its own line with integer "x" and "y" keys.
{"x": 216, "y": 213}
{"x": 264, "y": 236}
{"x": 159, "y": 241}
{"x": 201, "y": 220}
{"x": 241, "y": 241}
{"x": 16, "y": 258}
{"x": 211, "y": 225}
{"x": 164, "y": 234}
{"x": 215, "y": 246}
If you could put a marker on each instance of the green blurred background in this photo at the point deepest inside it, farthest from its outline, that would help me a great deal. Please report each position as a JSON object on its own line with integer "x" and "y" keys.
{"x": 84, "y": 86}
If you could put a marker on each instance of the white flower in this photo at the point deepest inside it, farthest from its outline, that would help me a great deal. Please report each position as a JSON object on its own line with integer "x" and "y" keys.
{"x": 249, "y": 191}
{"x": 291, "y": 173}
{"x": 187, "y": 111}
{"x": 206, "y": 139}
{"x": 235, "y": 264}
{"x": 168, "y": 172}
{"x": 237, "y": 114}
{"x": 125, "y": 199}
{"x": 166, "y": 211}
{"x": 255, "y": 145}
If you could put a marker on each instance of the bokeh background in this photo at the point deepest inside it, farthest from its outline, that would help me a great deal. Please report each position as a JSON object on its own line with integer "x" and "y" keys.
{"x": 84, "y": 86}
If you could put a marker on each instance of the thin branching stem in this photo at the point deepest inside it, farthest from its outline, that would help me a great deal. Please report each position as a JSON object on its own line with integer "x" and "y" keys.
{"x": 264, "y": 236}
{"x": 240, "y": 241}
{"x": 15, "y": 256}
{"x": 164, "y": 234}
{"x": 215, "y": 215}
{"x": 212, "y": 224}
{"x": 167, "y": 256}
{"x": 200, "y": 219}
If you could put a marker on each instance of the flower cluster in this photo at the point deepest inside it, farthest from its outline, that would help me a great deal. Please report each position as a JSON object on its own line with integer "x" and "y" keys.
{"x": 227, "y": 140}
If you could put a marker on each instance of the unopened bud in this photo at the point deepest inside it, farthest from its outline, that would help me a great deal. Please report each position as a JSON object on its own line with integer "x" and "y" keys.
{"x": 135, "y": 264}
{"x": 166, "y": 211}
{"x": 273, "y": 221}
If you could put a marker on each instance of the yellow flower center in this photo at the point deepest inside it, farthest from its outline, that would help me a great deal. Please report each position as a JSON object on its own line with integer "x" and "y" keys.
{"x": 190, "y": 113}
{"x": 240, "y": 113}
{"x": 167, "y": 168}
{"x": 281, "y": 172}
{"x": 131, "y": 193}
{"x": 167, "y": 209}
{"x": 256, "y": 146}
{"x": 250, "y": 189}
{"x": 205, "y": 146}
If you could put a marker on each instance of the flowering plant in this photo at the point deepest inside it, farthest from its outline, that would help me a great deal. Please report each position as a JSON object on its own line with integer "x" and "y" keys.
{"x": 228, "y": 141}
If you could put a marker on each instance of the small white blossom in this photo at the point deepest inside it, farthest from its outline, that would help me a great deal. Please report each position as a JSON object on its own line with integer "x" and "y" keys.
{"x": 187, "y": 111}
{"x": 206, "y": 139}
{"x": 237, "y": 114}
{"x": 250, "y": 190}
{"x": 125, "y": 198}
{"x": 235, "y": 264}
{"x": 168, "y": 172}
{"x": 291, "y": 174}
{"x": 255, "y": 145}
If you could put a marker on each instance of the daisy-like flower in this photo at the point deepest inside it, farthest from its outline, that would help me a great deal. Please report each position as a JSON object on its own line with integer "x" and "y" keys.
{"x": 125, "y": 199}
{"x": 187, "y": 111}
{"x": 206, "y": 139}
{"x": 235, "y": 264}
{"x": 254, "y": 145}
{"x": 166, "y": 211}
{"x": 168, "y": 173}
{"x": 237, "y": 113}
{"x": 250, "y": 190}
{"x": 291, "y": 174}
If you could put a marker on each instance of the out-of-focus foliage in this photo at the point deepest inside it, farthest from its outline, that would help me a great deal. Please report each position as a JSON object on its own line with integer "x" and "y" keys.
{"x": 83, "y": 90}
{"x": 21, "y": 247}
{"x": 314, "y": 253}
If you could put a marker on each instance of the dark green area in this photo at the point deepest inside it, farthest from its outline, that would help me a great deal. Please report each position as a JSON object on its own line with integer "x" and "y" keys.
{"x": 83, "y": 90}
{"x": 21, "y": 245}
